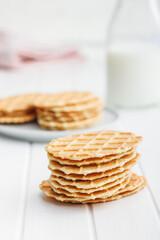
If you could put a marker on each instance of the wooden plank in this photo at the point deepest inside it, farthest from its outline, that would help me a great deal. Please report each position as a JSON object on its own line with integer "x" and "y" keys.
{"x": 146, "y": 123}
{"x": 14, "y": 157}
{"x": 133, "y": 217}
{"x": 48, "y": 219}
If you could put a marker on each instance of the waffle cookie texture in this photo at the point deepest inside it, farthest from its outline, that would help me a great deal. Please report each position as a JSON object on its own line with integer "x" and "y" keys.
{"x": 18, "y": 109}
{"x": 68, "y": 110}
{"x": 93, "y": 167}
{"x": 59, "y": 111}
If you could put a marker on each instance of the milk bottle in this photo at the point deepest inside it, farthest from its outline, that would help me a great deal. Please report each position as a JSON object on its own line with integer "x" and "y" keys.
{"x": 133, "y": 57}
{"x": 133, "y": 75}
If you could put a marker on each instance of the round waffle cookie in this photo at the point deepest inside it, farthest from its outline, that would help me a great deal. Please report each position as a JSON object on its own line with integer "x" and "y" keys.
{"x": 108, "y": 190}
{"x": 91, "y": 176}
{"x": 93, "y": 145}
{"x": 85, "y": 106}
{"x": 87, "y": 184}
{"x": 89, "y": 160}
{"x": 60, "y": 100}
{"x": 18, "y": 109}
{"x": 135, "y": 184}
{"x": 58, "y": 125}
{"x": 93, "y": 167}
{"x": 67, "y": 116}
{"x": 68, "y": 110}
{"x": 18, "y": 119}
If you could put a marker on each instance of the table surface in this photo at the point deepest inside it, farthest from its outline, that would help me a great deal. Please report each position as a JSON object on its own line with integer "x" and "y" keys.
{"x": 25, "y": 214}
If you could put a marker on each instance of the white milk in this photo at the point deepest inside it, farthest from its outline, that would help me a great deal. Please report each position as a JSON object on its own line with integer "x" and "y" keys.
{"x": 133, "y": 75}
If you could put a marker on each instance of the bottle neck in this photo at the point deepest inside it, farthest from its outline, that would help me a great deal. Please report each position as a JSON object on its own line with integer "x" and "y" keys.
{"x": 134, "y": 19}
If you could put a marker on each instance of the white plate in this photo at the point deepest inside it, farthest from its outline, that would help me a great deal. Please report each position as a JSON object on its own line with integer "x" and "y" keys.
{"x": 32, "y": 132}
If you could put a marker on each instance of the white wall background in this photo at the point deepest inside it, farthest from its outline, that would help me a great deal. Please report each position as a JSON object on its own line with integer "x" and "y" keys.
{"x": 74, "y": 22}
{"x": 81, "y": 22}
{"x": 58, "y": 21}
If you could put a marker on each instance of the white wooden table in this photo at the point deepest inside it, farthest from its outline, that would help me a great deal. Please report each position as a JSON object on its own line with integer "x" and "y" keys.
{"x": 26, "y": 215}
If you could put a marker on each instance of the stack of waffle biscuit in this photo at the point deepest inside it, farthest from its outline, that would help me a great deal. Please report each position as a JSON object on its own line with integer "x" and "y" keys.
{"x": 93, "y": 167}
{"x": 68, "y": 110}
{"x": 18, "y": 109}
{"x": 61, "y": 111}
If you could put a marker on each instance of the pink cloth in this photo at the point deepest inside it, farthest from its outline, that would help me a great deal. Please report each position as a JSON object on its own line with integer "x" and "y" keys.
{"x": 16, "y": 51}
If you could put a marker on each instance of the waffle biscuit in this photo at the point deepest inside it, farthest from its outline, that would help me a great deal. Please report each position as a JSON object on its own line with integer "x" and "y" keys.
{"x": 130, "y": 189}
{"x": 135, "y": 181}
{"x": 87, "y": 184}
{"x": 61, "y": 120}
{"x": 108, "y": 190}
{"x": 45, "y": 186}
{"x": 93, "y": 168}
{"x": 68, "y": 110}
{"x": 18, "y": 119}
{"x": 67, "y": 117}
{"x": 55, "y": 125}
{"x": 90, "y": 160}
{"x": 18, "y": 103}
{"x": 92, "y": 176}
{"x": 46, "y": 112}
{"x": 95, "y": 103}
{"x": 17, "y": 113}
{"x": 64, "y": 98}
{"x": 82, "y": 198}
{"x": 68, "y": 101}
{"x": 107, "y": 185}
{"x": 93, "y": 144}
{"x": 18, "y": 109}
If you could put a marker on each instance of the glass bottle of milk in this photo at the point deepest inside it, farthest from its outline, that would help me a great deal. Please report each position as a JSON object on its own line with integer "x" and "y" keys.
{"x": 133, "y": 57}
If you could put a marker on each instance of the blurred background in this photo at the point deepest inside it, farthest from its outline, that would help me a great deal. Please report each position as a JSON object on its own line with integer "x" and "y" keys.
{"x": 77, "y": 24}
{"x": 58, "y": 21}
{"x": 87, "y": 28}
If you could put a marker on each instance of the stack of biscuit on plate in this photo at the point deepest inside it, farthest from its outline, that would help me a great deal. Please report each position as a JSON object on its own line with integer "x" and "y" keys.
{"x": 68, "y": 110}
{"x": 59, "y": 111}
{"x": 93, "y": 167}
{"x": 18, "y": 109}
